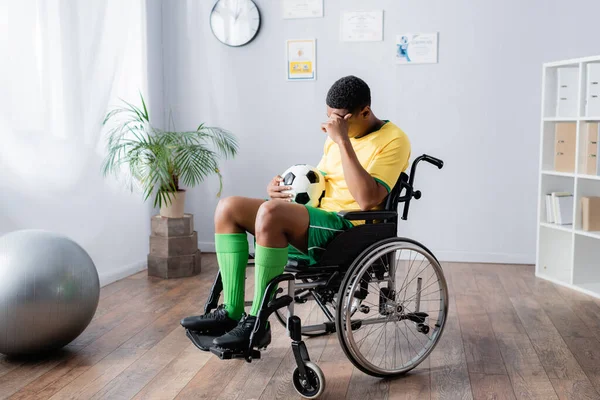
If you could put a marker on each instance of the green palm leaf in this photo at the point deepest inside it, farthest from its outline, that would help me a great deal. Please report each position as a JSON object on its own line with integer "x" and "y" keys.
{"x": 158, "y": 160}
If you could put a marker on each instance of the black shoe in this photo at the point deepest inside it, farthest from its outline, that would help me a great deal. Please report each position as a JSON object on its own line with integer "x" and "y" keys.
{"x": 239, "y": 337}
{"x": 215, "y": 323}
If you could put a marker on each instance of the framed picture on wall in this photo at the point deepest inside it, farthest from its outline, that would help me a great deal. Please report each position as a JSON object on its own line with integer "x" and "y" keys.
{"x": 361, "y": 26}
{"x": 302, "y": 9}
{"x": 417, "y": 48}
{"x": 301, "y": 59}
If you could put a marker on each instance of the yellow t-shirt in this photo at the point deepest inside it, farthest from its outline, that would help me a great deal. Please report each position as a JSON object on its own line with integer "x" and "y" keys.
{"x": 384, "y": 154}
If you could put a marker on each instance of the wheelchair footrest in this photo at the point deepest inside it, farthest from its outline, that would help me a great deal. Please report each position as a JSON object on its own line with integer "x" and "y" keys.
{"x": 227, "y": 354}
{"x": 202, "y": 342}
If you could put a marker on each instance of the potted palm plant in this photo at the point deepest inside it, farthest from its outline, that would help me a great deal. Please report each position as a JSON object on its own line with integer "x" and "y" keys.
{"x": 161, "y": 161}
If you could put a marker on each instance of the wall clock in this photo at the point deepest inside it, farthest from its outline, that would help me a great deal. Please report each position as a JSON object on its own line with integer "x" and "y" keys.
{"x": 235, "y": 22}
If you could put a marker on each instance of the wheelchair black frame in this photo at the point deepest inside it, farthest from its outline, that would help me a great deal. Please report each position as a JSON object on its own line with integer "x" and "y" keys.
{"x": 340, "y": 253}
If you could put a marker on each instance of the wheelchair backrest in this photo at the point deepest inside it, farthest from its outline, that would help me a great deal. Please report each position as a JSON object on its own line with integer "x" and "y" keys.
{"x": 345, "y": 247}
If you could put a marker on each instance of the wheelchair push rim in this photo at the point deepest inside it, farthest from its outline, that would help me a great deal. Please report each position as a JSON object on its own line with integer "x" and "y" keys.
{"x": 392, "y": 307}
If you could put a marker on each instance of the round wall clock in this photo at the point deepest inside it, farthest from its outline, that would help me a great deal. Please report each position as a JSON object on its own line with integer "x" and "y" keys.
{"x": 235, "y": 22}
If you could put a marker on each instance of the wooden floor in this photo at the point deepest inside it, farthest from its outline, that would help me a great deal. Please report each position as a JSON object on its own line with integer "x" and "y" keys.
{"x": 509, "y": 336}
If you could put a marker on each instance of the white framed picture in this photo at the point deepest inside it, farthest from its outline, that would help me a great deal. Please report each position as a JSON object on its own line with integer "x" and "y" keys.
{"x": 293, "y": 9}
{"x": 301, "y": 59}
{"x": 361, "y": 26}
{"x": 417, "y": 48}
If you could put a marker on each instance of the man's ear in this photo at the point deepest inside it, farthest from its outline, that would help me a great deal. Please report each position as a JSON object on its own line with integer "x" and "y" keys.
{"x": 365, "y": 112}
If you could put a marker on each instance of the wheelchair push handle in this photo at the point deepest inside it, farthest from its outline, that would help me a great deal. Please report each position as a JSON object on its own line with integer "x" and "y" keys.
{"x": 432, "y": 160}
{"x": 409, "y": 186}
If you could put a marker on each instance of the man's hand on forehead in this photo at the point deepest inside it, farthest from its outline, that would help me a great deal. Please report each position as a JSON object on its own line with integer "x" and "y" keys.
{"x": 335, "y": 115}
{"x": 337, "y": 127}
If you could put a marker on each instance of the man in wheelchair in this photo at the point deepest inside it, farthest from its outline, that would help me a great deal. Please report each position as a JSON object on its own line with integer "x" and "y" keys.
{"x": 363, "y": 158}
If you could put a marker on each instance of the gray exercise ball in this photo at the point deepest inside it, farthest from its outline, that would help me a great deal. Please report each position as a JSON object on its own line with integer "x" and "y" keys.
{"x": 49, "y": 291}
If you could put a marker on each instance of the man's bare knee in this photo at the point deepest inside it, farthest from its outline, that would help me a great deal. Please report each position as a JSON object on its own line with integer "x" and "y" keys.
{"x": 268, "y": 217}
{"x": 236, "y": 214}
{"x": 226, "y": 209}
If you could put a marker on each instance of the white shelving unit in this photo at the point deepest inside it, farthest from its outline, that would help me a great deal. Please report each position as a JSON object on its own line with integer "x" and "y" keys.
{"x": 566, "y": 254}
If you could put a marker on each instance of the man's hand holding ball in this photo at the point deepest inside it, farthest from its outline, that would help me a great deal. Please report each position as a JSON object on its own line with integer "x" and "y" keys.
{"x": 276, "y": 191}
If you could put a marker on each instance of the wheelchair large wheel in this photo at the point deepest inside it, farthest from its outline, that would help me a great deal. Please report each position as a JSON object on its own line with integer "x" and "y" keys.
{"x": 392, "y": 308}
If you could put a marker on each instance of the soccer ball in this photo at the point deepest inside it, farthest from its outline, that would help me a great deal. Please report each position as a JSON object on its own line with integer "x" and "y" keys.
{"x": 307, "y": 183}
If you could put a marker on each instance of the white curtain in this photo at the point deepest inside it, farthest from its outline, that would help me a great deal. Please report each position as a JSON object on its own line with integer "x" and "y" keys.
{"x": 63, "y": 63}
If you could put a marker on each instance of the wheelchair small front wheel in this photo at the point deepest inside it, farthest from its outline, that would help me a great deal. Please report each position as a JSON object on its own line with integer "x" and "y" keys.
{"x": 313, "y": 384}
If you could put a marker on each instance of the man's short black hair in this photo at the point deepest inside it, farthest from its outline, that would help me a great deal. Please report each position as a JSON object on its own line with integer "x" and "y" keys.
{"x": 350, "y": 93}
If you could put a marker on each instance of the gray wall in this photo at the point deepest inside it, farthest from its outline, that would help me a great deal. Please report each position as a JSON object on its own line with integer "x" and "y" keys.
{"x": 478, "y": 108}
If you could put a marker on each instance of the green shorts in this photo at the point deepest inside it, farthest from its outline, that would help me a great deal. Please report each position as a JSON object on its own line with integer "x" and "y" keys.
{"x": 322, "y": 228}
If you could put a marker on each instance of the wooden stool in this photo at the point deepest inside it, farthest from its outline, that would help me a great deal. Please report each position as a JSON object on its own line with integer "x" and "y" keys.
{"x": 173, "y": 248}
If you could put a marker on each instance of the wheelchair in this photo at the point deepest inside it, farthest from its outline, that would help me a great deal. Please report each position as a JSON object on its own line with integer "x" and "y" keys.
{"x": 384, "y": 296}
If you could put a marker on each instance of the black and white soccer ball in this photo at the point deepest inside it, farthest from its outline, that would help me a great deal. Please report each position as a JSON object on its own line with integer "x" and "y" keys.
{"x": 307, "y": 183}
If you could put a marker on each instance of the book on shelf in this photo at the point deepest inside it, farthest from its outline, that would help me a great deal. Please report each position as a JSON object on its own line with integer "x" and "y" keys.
{"x": 590, "y": 209}
{"x": 559, "y": 208}
{"x": 590, "y": 162}
{"x": 566, "y": 99}
{"x": 549, "y": 209}
{"x": 564, "y": 147}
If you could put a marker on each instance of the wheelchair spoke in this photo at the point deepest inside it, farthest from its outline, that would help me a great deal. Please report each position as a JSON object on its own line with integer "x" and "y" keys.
{"x": 396, "y": 348}
{"x": 400, "y": 347}
{"x": 369, "y": 283}
{"x": 416, "y": 276}
{"x": 404, "y": 289}
{"x": 410, "y": 298}
{"x": 413, "y": 333}
{"x": 368, "y": 333}
{"x": 407, "y": 339}
{"x": 378, "y": 343}
{"x": 383, "y": 335}
{"x": 428, "y": 311}
{"x": 406, "y": 277}
{"x": 385, "y": 352}
{"x": 393, "y": 286}
{"x": 383, "y": 358}
{"x": 426, "y": 282}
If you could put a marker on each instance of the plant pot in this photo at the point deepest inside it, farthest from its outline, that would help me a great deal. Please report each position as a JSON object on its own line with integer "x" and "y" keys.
{"x": 176, "y": 207}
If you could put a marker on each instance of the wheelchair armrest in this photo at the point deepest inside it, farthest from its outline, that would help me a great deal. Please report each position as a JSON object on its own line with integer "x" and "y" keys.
{"x": 367, "y": 215}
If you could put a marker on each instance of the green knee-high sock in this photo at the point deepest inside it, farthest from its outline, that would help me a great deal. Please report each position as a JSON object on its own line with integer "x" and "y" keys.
{"x": 269, "y": 263}
{"x": 232, "y": 254}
